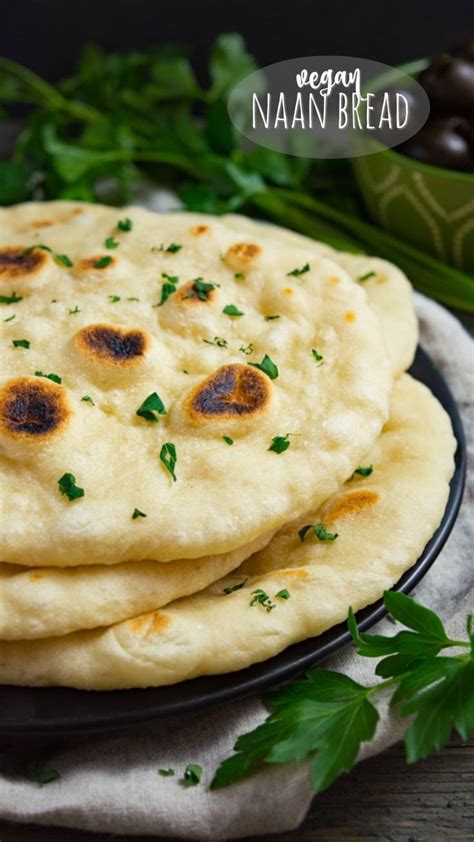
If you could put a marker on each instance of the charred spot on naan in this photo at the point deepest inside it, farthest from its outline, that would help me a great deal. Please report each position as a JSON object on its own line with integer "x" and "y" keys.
{"x": 111, "y": 345}
{"x": 196, "y": 293}
{"x": 352, "y": 503}
{"x": 196, "y": 230}
{"x": 42, "y": 223}
{"x": 242, "y": 256}
{"x": 148, "y": 624}
{"x": 33, "y": 409}
{"x": 232, "y": 391}
{"x": 18, "y": 262}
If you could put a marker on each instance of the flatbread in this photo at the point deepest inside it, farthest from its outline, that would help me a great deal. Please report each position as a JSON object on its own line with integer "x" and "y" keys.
{"x": 382, "y": 521}
{"x": 83, "y": 324}
{"x": 388, "y": 290}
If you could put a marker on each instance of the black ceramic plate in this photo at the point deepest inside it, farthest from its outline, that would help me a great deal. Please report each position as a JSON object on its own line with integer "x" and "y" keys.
{"x": 26, "y": 712}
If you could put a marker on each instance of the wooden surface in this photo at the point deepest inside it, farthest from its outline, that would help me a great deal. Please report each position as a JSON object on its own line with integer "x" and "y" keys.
{"x": 382, "y": 800}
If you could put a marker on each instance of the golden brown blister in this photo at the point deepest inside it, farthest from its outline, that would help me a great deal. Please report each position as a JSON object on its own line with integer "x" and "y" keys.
{"x": 109, "y": 345}
{"x": 232, "y": 391}
{"x": 19, "y": 262}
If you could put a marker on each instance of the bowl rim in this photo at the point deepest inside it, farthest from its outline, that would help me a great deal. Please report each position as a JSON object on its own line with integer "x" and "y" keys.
{"x": 410, "y": 68}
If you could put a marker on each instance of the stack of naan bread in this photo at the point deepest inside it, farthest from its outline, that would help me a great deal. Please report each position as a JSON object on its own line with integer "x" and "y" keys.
{"x": 209, "y": 447}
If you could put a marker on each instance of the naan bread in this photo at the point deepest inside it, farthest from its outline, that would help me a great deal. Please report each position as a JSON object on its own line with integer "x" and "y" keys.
{"x": 388, "y": 290}
{"x": 52, "y": 601}
{"x": 382, "y": 521}
{"x": 84, "y": 324}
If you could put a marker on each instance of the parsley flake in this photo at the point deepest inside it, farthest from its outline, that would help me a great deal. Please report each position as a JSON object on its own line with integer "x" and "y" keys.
{"x": 114, "y": 298}
{"x": 366, "y": 276}
{"x": 364, "y": 472}
{"x": 111, "y": 243}
{"x": 73, "y": 312}
{"x": 125, "y": 224}
{"x": 317, "y": 356}
{"x": 54, "y": 377}
{"x": 237, "y": 587}
{"x": 169, "y": 458}
{"x": 247, "y": 349}
{"x": 283, "y": 594}
{"x": 10, "y": 318}
{"x": 42, "y": 776}
{"x": 280, "y": 443}
{"x": 318, "y": 530}
{"x": 296, "y": 273}
{"x": 20, "y": 343}
{"x": 102, "y": 262}
{"x": 221, "y": 343}
{"x": 268, "y": 367}
{"x": 88, "y": 399}
{"x": 173, "y": 248}
{"x": 166, "y": 773}
{"x": 67, "y": 486}
{"x": 137, "y": 513}
{"x": 259, "y": 597}
{"x": 61, "y": 259}
{"x": 271, "y": 318}
{"x": 200, "y": 289}
{"x": 228, "y": 440}
{"x": 232, "y": 310}
{"x": 239, "y": 276}
{"x": 168, "y": 288}
{"x": 192, "y": 774}
{"x": 150, "y": 405}
{"x": 10, "y": 299}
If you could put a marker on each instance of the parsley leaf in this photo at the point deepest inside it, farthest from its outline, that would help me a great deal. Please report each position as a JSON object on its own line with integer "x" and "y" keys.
{"x": 169, "y": 458}
{"x": 318, "y": 530}
{"x": 228, "y": 440}
{"x": 54, "y": 377}
{"x": 102, "y": 262}
{"x": 364, "y": 472}
{"x": 237, "y": 587}
{"x": 221, "y": 343}
{"x": 10, "y": 299}
{"x": 150, "y": 406}
{"x": 88, "y": 399}
{"x": 61, "y": 259}
{"x": 173, "y": 248}
{"x": 67, "y": 486}
{"x": 166, "y": 773}
{"x": 199, "y": 289}
{"x": 317, "y": 356}
{"x": 268, "y": 367}
{"x": 280, "y": 443}
{"x": 232, "y": 310}
{"x": 271, "y": 318}
{"x": 10, "y": 318}
{"x": 192, "y": 774}
{"x": 239, "y": 276}
{"x": 247, "y": 349}
{"x": 20, "y": 343}
{"x": 137, "y": 513}
{"x": 111, "y": 243}
{"x": 42, "y": 776}
{"x": 114, "y": 298}
{"x": 366, "y": 276}
{"x": 168, "y": 288}
{"x": 74, "y": 311}
{"x": 259, "y": 597}
{"x": 296, "y": 273}
{"x": 284, "y": 594}
{"x": 125, "y": 224}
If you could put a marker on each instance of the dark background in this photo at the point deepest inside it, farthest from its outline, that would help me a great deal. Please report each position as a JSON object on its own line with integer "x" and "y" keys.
{"x": 47, "y": 34}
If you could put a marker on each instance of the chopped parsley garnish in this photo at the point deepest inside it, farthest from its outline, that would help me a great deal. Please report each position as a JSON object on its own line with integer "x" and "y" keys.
{"x": 221, "y": 343}
{"x": 20, "y": 343}
{"x": 10, "y": 318}
{"x": 259, "y": 597}
{"x": 239, "y": 276}
{"x": 247, "y": 349}
{"x": 168, "y": 288}
{"x": 150, "y": 405}
{"x": 114, "y": 298}
{"x": 54, "y": 377}
{"x": 169, "y": 458}
{"x": 171, "y": 249}
{"x": 102, "y": 262}
{"x": 284, "y": 594}
{"x": 268, "y": 367}
{"x": 297, "y": 272}
{"x": 232, "y": 310}
{"x": 133, "y": 298}
{"x": 10, "y": 299}
{"x": 62, "y": 259}
{"x": 237, "y": 587}
{"x": 42, "y": 776}
{"x": 364, "y": 472}
{"x": 317, "y": 356}
{"x": 228, "y": 440}
{"x": 280, "y": 443}
{"x": 318, "y": 530}
{"x": 137, "y": 513}
{"x": 88, "y": 399}
{"x": 200, "y": 289}
{"x": 67, "y": 486}
{"x": 366, "y": 276}
{"x": 125, "y": 224}
{"x": 73, "y": 312}
{"x": 111, "y": 243}
{"x": 271, "y": 318}
{"x": 166, "y": 773}
{"x": 192, "y": 774}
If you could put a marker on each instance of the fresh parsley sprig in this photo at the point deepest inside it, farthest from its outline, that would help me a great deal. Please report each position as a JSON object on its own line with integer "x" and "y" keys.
{"x": 326, "y": 717}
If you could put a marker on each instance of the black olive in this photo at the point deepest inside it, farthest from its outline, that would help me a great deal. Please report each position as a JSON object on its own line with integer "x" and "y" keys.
{"x": 465, "y": 49}
{"x": 442, "y": 143}
{"x": 449, "y": 83}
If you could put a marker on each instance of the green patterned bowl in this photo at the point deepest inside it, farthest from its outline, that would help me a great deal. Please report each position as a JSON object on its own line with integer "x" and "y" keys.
{"x": 430, "y": 207}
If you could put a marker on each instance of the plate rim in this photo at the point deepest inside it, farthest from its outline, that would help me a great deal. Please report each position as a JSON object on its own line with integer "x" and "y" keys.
{"x": 271, "y": 672}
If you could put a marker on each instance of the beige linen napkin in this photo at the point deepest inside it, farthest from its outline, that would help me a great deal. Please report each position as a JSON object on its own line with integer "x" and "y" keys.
{"x": 111, "y": 784}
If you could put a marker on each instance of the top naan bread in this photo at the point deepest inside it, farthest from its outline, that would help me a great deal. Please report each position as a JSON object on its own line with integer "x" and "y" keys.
{"x": 83, "y": 323}
{"x": 388, "y": 290}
